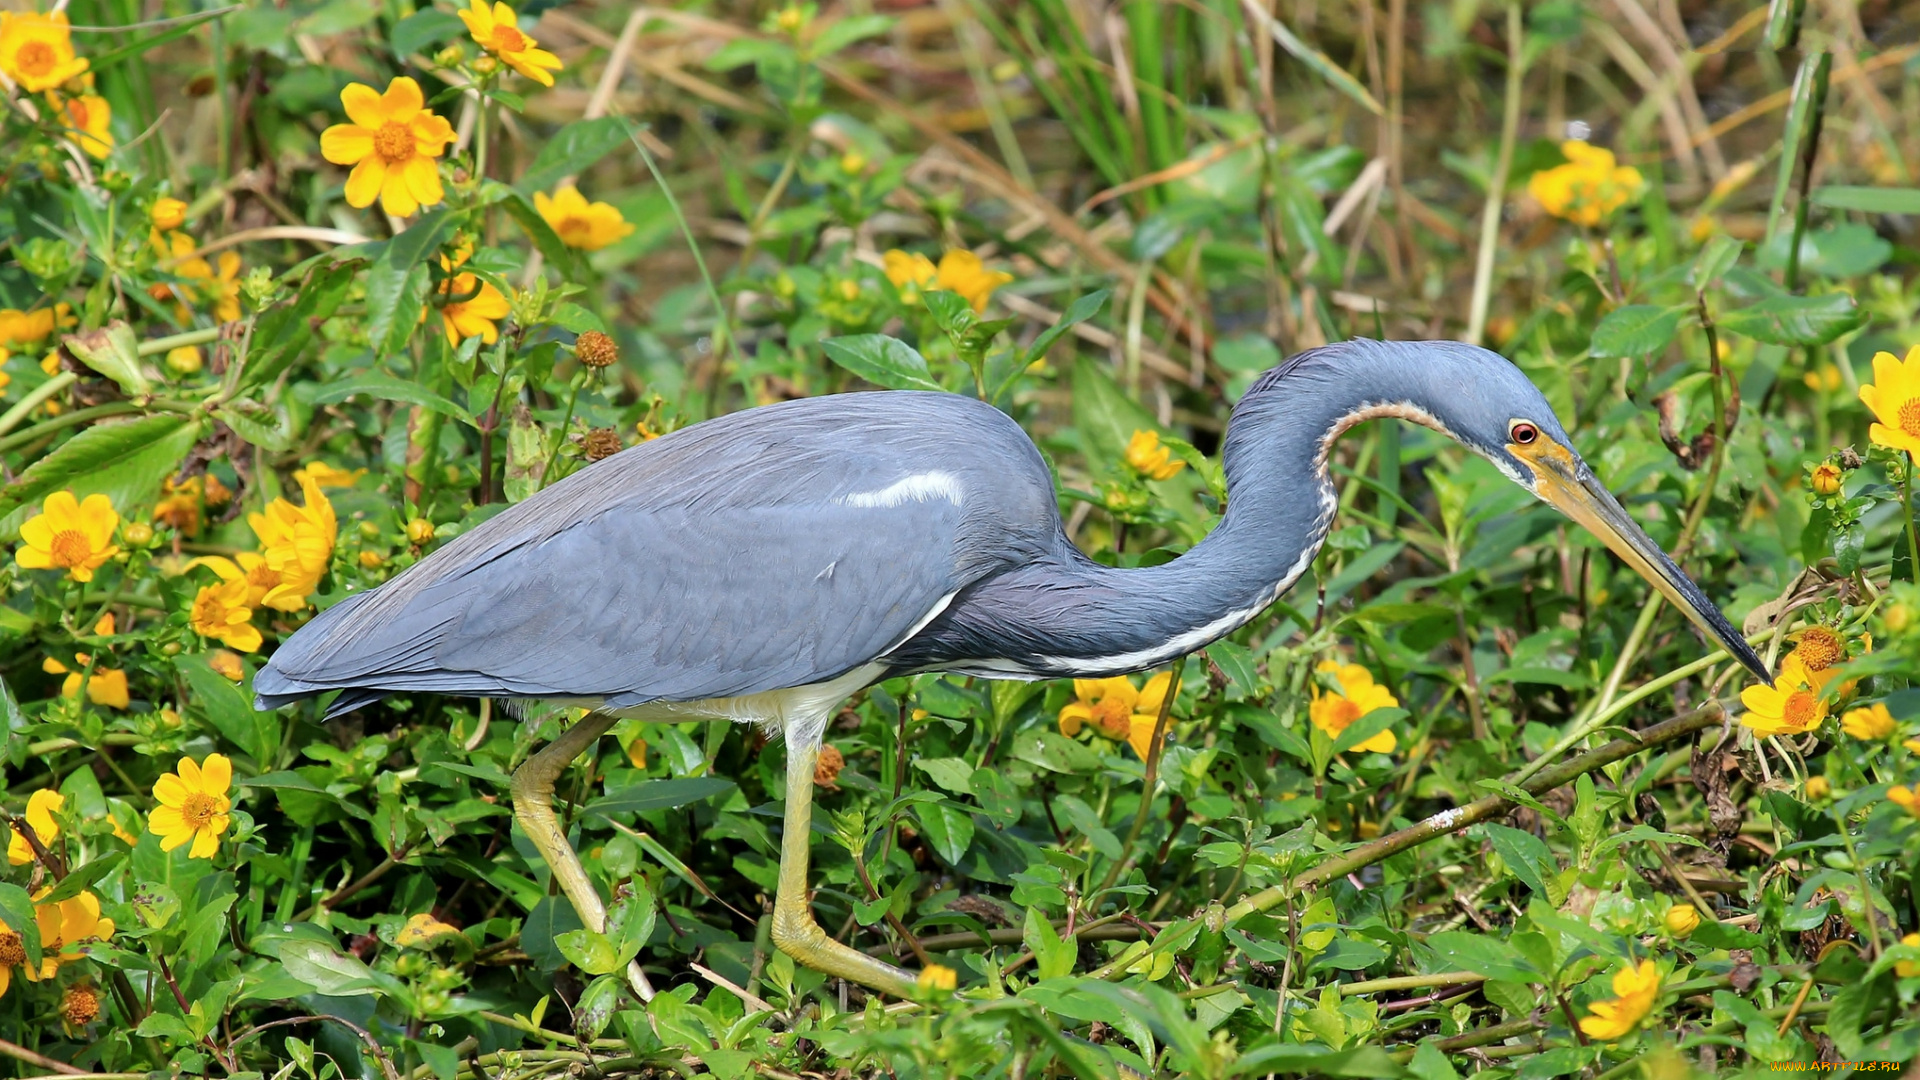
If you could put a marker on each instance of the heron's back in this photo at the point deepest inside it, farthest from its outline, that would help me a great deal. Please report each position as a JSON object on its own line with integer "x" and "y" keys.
{"x": 771, "y": 548}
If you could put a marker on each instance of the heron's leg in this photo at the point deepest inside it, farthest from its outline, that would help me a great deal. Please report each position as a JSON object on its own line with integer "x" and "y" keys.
{"x": 533, "y": 807}
{"x": 794, "y": 930}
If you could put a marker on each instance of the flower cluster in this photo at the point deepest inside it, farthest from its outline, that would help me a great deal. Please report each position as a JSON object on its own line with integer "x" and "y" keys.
{"x": 1588, "y": 188}
{"x": 296, "y": 545}
{"x": 1149, "y": 459}
{"x": 960, "y": 271}
{"x": 65, "y": 927}
{"x": 1117, "y": 709}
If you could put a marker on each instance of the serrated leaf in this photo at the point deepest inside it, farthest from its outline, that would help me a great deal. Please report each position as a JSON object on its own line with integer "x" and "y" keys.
{"x": 113, "y": 352}
{"x": 281, "y": 333}
{"x": 1796, "y": 320}
{"x": 590, "y": 952}
{"x": 882, "y": 361}
{"x": 397, "y": 282}
{"x": 124, "y": 461}
{"x": 1635, "y": 330}
{"x": 328, "y": 970}
{"x": 949, "y": 828}
{"x": 952, "y": 773}
{"x": 1525, "y": 854}
{"x": 1482, "y": 955}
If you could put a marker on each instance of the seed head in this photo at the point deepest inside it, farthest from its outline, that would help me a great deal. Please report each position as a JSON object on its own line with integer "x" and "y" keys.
{"x": 80, "y": 1005}
{"x": 419, "y": 531}
{"x": 596, "y": 350}
{"x": 601, "y": 443}
{"x": 826, "y": 769}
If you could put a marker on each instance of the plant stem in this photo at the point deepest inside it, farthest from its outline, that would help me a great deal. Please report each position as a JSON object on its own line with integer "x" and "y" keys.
{"x": 156, "y": 346}
{"x": 1906, "y": 504}
{"x": 12, "y": 417}
{"x": 1497, "y": 183}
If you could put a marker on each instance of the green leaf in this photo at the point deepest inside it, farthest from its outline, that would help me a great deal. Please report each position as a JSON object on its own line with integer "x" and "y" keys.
{"x": 1482, "y": 955}
{"x": 113, "y": 352}
{"x": 1525, "y": 854}
{"x": 124, "y": 461}
{"x": 658, "y": 794}
{"x": 845, "y": 32}
{"x": 281, "y": 333}
{"x": 1104, "y": 416}
{"x": 16, "y": 912}
{"x": 573, "y": 150}
{"x": 1311, "y": 1060}
{"x": 330, "y": 971}
{"x": 522, "y": 210}
{"x": 1052, "y": 956}
{"x": 226, "y": 706}
{"x": 387, "y": 388}
{"x": 141, "y": 43}
{"x": 1053, "y": 751}
{"x": 1870, "y": 200}
{"x": 430, "y": 26}
{"x": 83, "y": 877}
{"x": 397, "y": 282}
{"x": 1636, "y": 330}
{"x": 1367, "y": 727}
{"x": 268, "y": 428}
{"x": 588, "y": 951}
{"x": 1077, "y": 312}
{"x": 1796, "y": 320}
{"x": 1316, "y": 61}
{"x": 952, "y": 773}
{"x": 949, "y": 828}
{"x": 1715, "y": 259}
{"x": 882, "y": 361}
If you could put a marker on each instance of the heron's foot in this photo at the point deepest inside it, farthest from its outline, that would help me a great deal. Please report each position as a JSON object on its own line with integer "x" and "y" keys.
{"x": 796, "y": 934}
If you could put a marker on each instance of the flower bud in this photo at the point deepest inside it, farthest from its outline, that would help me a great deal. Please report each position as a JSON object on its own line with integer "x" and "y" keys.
{"x": 1898, "y": 616}
{"x": 1826, "y": 478}
{"x": 167, "y": 214}
{"x": 936, "y": 977}
{"x": 419, "y": 531}
{"x": 1817, "y": 788}
{"x": 485, "y": 65}
{"x": 853, "y": 163}
{"x": 137, "y": 534}
{"x": 1682, "y": 919}
{"x": 371, "y": 560}
{"x": 185, "y": 360}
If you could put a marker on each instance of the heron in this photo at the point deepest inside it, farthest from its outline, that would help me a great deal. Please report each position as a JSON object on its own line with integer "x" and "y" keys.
{"x": 765, "y": 565}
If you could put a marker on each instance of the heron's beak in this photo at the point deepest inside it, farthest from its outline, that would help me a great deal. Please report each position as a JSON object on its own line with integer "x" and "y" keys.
{"x": 1564, "y": 482}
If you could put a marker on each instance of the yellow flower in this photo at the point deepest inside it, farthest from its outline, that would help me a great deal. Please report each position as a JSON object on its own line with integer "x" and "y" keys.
{"x": 223, "y": 288}
{"x": 496, "y": 31}
{"x": 1872, "y": 723}
{"x": 1905, "y": 797}
{"x": 180, "y": 506}
{"x": 221, "y": 612}
{"x": 64, "y": 926}
{"x": 960, "y": 271}
{"x": 193, "y": 806}
{"x": 262, "y": 579}
{"x": 423, "y": 931}
{"x": 935, "y": 977}
{"x": 1117, "y": 709}
{"x": 1826, "y": 377}
{"x": 90, "y": 121}
{"x": 1151, "y": 460}
{"x": 1894, "y": 397}
{"x": 478, "y": 313}
{"x": 637, "y": 753}
{"x": 1635, "y": 989}
{"x": 1682, "y": 919}
{"x": 69, "y": 535}
{"x": 41, "y": 806}
{"x": 13, "y": 954}
{"x": 36, "y": 51}
{"x": 1588, "y": 188}
{"x": 391, "y": 144}
{"x": 327, "y": 476}
{"x": 580, "y": 224}
{"x": 1826, "y": 478}
{"x": 1790, "y": 706}
{"x": 1907, "y": 969}
{"x": 105, "y": 687}
{"x": 1817, "y": 787}
{"x": 297, "y": 543}
{"x": 167, "y": 214}
{"x": 185, "y": 359}
{"x": 1360, "y": 695}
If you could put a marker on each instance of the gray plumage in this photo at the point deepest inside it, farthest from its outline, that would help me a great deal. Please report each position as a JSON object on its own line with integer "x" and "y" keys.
{"x": 792, "y": 544}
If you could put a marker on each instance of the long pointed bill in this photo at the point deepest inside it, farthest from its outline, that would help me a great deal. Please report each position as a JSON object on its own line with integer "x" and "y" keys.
{"x": 1570, "y": 488}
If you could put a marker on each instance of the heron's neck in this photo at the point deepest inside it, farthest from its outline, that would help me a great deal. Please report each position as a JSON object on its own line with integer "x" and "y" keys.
{"x": 1280, "y": 506}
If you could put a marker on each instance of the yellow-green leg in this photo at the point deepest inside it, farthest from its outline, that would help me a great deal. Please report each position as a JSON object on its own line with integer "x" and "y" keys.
{"x": 533, "y": 807}
{"x": 794, "y": 930}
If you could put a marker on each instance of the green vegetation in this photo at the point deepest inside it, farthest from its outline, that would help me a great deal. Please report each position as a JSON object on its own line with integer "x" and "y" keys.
{"x": 294, "y": 294}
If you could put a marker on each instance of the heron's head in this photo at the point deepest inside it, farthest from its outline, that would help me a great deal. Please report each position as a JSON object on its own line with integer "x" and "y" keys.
{"x": 1483, "y": 400}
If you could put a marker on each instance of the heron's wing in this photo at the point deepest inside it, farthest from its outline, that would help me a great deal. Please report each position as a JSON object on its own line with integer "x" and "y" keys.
{"x": 722, "y": 565}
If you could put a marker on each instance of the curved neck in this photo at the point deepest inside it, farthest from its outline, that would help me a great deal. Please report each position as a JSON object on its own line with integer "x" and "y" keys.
{"x": 1280, "y": 505}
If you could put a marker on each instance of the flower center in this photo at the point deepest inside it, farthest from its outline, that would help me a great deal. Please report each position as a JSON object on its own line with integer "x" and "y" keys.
{"x": 1819, "y": 648}
{"x": 393, "y": 142}
{"x": 1798, "y": 712}
{"x": 1910, "y": 417}
{"x": 506, "y": 39}
{"x": 1112, "y": 716}
{"x": 198, "y": 809}
{"x": 77, "y": 109}
{"x": 35, "y": 59}
{"x": 12, "y": 952}
{"x": 1342, "y": 715}
{"x": 575, "y": 231}
{"x": 70, "y": 548}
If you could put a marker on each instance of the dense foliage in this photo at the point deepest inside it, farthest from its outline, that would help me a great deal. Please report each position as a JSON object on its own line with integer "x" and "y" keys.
{"x": 295, "y": 293}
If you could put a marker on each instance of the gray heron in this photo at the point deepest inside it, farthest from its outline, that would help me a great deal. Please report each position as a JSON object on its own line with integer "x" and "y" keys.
{"x": 763, "y": 566}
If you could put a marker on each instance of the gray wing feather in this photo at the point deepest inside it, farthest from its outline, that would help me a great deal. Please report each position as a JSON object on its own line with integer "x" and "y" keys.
{"x": 724, "y": 559}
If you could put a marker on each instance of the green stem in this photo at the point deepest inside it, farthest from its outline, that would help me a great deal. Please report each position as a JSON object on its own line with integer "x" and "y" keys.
{"x": 159, "y": 345}
{"x": 1906, "y": 503}
{"x": 723, "y": 330}
{"x": 1497, "y": 184}
{"x": 66, "y": 420}
{"x": 12, "y": 417}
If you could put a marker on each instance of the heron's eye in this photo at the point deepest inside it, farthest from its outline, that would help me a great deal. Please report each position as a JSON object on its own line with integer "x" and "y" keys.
{"x": 1523, "y": 433}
